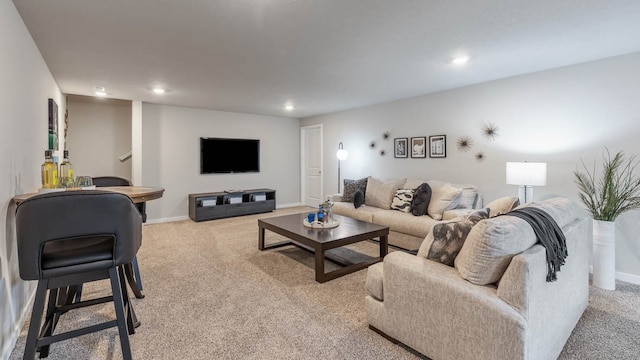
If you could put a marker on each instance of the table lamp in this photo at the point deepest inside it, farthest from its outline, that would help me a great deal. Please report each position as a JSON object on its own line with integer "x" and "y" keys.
{"x": 526, "y": 175}
{"x": 342, "y": 154}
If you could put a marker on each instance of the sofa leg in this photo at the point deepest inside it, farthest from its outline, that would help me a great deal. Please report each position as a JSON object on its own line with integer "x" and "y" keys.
{"x": 384, "y": 335}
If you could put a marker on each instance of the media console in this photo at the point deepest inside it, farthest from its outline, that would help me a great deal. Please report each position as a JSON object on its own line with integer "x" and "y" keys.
{"x": 218, "y": 205}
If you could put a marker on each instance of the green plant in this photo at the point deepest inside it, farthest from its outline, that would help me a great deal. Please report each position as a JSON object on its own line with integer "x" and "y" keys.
{"x": 617, "y": 191}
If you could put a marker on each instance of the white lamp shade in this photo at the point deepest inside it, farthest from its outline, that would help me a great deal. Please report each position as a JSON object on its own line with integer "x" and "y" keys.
{"x": 342, "y": 154}
{"x": 526, "y": 173}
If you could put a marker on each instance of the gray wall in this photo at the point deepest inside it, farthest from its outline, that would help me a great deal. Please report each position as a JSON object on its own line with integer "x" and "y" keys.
{"x": 25, "y": 86}
{"x": 171, "y": 155}
{"x": 99, "y": 133}
{"x": 558, "y": 116}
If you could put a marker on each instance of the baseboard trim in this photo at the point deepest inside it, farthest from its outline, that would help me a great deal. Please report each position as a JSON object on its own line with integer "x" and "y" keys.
{"x": 17, "y": 328}
{"x": 288, "y": 205}
{"x": 630, "y": 278}
{"x": 168, "y": 219}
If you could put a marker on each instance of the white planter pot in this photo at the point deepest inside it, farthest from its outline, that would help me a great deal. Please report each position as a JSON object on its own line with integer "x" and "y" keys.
{"x": 604, "y": 254}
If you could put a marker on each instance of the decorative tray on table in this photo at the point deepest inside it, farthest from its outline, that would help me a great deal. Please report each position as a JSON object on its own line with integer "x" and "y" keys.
{"x": 321, "y": 225}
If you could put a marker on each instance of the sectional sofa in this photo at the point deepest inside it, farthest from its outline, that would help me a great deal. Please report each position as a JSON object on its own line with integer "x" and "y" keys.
{"x": 407, "y": 231}
{"x": 496, "y": 302}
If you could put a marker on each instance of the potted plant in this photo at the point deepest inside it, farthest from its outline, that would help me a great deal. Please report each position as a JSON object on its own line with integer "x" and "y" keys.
{"x": 617, "y": 191}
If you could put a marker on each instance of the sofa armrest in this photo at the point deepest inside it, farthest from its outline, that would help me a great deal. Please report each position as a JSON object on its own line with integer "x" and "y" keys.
{"x": 336, "y": 198}
{"x": 426, "y": 295}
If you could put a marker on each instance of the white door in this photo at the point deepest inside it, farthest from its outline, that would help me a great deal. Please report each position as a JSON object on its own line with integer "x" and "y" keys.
{"x": 311, "y": 164}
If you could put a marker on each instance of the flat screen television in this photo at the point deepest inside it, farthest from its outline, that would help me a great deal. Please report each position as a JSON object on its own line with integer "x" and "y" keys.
{"x": 219, "y": 155}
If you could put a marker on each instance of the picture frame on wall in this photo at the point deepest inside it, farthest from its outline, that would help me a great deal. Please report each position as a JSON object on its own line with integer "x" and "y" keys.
{"x": 438, "y": 146}
{"x": 53, "y": 125}
{"x": 400, "y": 147}
{"x": 419, "y": 147}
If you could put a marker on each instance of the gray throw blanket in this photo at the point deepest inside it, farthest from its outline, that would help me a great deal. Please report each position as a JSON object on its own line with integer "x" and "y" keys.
{"x": 548, "y": 234}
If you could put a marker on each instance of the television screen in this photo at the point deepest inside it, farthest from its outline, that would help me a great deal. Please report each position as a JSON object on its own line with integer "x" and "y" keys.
{"x": 229, "y": 155}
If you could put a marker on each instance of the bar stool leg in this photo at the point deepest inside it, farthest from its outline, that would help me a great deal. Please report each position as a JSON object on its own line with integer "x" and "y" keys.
{"x": 36, "y": 320}
{"x": 118, "y": 304}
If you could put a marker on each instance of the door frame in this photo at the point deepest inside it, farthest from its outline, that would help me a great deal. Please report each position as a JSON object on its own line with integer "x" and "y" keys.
{"x": 303, "y": 162}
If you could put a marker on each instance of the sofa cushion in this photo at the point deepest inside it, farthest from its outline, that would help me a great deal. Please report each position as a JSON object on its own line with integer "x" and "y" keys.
{"x": 358, "y": 198}
{"x": 411, "y": 183}
{"x": 364, "y": 213}
{"x": 421, "y": 200}
{"x": 443, "y": 198}
{"x": 374, "y": 279}
{"x": 400, "y": 222}
{"x": 562, "y": 210}
{"x": 468, "y": 195}
{"x": 446, "y": 238}
{"x": 402, "y": 200}
{"x": 380, "y": 192}
{"x": 490, "y": 246}
{"x": 351, "y": 186}
{"x": 503, "y": 205}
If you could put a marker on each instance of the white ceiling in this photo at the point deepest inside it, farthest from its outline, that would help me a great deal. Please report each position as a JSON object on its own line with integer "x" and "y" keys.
{"x": 253, "y": 56}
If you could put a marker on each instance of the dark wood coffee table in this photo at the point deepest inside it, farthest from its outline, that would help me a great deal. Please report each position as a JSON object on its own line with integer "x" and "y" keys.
{"x": 320, "y": 240}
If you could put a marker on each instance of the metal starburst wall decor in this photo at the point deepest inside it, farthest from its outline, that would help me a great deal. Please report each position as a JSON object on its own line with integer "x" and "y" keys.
{"x": 490, "y": 130}
{"x": 464, "y": 143}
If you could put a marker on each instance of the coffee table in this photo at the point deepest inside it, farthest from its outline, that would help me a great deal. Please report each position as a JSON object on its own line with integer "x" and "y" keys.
{"x": 319, "y": 241}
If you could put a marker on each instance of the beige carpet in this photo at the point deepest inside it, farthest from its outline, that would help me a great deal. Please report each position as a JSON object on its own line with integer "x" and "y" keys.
{"x": 211, "y": 294}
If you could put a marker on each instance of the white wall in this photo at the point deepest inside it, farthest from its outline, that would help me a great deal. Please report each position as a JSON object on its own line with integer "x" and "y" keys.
{"x": 25, "y": 86}
{"x": 558, "y": 116}
{"x": 171, "y": 155}
{"x": 99, "y": 133}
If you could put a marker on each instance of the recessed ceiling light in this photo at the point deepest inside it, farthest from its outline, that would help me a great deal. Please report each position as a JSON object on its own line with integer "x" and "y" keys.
{"x": 460, "y": 60}
{"x": 289, "y": 107}
{"x": 159, "y": 90}
{"x": 100, "y": 91}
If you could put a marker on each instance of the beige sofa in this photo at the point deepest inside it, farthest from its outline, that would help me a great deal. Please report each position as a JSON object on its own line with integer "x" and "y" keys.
{"x": 407, "y": 231}
{"x": 436, "y": 309}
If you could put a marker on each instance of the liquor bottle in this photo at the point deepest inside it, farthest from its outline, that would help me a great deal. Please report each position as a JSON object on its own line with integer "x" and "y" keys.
{"x": 66, "y": 171}
{"x": 49, "y": 172}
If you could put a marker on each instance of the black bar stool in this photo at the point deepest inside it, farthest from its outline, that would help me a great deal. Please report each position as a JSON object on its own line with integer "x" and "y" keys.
{"x": 66, "y": 239}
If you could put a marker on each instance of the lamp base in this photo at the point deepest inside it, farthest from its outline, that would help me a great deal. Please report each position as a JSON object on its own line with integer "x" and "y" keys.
{"x": 525, "y": 194}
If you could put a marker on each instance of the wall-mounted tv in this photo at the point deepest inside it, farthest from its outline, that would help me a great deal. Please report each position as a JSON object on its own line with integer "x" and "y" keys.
{"x": 219, "y": 155}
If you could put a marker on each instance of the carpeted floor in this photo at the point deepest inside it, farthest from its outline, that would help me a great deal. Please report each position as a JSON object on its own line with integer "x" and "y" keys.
{"x": 211, "y": 294}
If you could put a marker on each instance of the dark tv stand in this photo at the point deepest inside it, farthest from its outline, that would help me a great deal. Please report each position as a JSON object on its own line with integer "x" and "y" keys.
{"x": 218, "y": 205}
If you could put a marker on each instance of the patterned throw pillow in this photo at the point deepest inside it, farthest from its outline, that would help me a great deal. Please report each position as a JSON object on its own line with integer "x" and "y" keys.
{"x": 449, "y": 237}
{"x": 350, "y": 187}
{"x": 421, "y": 199}
{"x": 402, "y": 200}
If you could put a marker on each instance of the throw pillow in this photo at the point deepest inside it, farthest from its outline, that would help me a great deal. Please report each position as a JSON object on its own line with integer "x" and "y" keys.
{"x": 350, "y": 187}
{"x": 443, "y": 198}
{"x": 421, "y": 199}
{"x": 448, "y": 237}
{"x": 503, "y": 205}
{"x": 380, "y": 192}
{"x": 358, "y": 199}
{"x": 490, "y": 246}
{"x": 402, "y": 200}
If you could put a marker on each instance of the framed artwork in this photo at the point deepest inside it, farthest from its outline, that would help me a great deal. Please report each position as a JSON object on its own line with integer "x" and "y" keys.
{"x": 419, "y": 147}
{"x": 400, "y": 147}
{"x": 438, "y": 146}
{"x": 53, "y": 125}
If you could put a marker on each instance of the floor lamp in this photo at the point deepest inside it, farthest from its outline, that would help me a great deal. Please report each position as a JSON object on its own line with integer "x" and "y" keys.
{"x": 526, "y": 175}
{"x": 342, "y": 154}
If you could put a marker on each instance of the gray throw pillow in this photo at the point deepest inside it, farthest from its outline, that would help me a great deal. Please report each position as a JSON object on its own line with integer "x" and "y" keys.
{"x": 449, "y": 237}
{"x": 358, "y": 198}
{"x": 351, "y": 186}
{"x": 421, "y": 199}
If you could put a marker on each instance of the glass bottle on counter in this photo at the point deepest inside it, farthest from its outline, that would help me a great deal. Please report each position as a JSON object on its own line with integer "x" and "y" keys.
{"x": 66, "y": 171}
{"x": 49, "y": 172}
